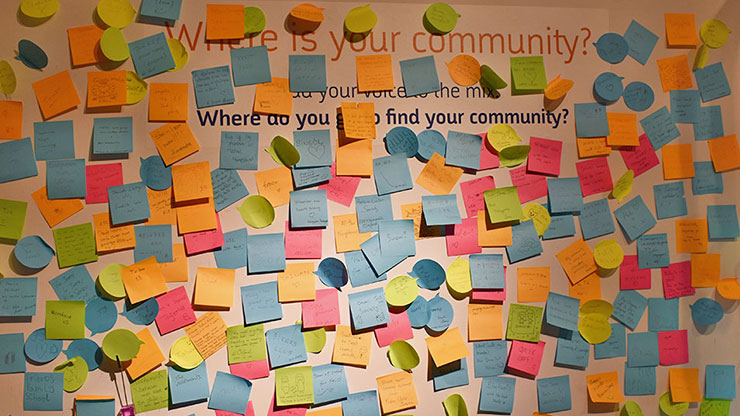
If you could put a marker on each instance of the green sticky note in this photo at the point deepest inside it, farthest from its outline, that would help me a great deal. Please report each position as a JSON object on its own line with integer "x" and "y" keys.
{"x": 12, "y": 218}
{"x": 65, "y": 319}
{"x": 283, "y": 151}
{"x": 75, "y": 245}
{"x": 403, "y": 355}
{"x": 715, "y": 407}
{"x": 150, "y": 392}
{"x": 294, "y": 385}
{"x": 524, "y": 323}
{"x": 246, "y": 343}
{"x": 315, "y": 339}
{"x": 528, "y": 74}
{"x": 503, "y": 204}
{"x": 455, "y": 405}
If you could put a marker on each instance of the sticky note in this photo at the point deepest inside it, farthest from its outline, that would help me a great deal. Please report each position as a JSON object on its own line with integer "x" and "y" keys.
{"x": 109, "y": 238}
{"x": 502, "y": 204}
{"x": 591, "y": 120}
{"x": 150, "y": 392}
{"x": 397, "y": 237}
{"x": 153, "y": 240}
{"x": 332, "y": 383}
{"x": 391, "y": 174}
{"x": 685, "y": 106}
{"x": 528, "y": 73}
{"x": 250, "y": 66}
{"x": 214, "y": 287}
{"x": 65, "y": 179}
{"x": 359, "y": 269}
{"x": 642, "y": 349}
{"x": 169, "y": 11}
{"x": 143, "y": 280}
{"x": 662, "y": 314}
{"x": 464, "y": 238}
{"x": 230, "y": 392}
{"x": 17, "y": 160}
{"x": 374, "y": 72}
{"x": 524, "y": 323}
{"x": 631, "y": 277}
{"x": 128, "y": 203}
{"x": 561, "y": 311}
{"x": 533, "y": 284}
{"x": 545, "y": 156}
{"x": 246, "y": 343}
{"x": 208, "y": 334}
{"x": 83, "y": 41}
{"x": 487, "y": 271}
{"x": 106, "y": 89}
{"x": 75, "y": 245}
{"x": 54, "y": 140}
{"x": 722, "y": 220}
{"x": 260, "y": 303}
{"x": 294, "y": 386}
{"x": 285, "y": 346}
{"x": 677, "y": 280}
{"x": 213, "y": 87}
{"x": 574, "y": 352}
{"x": 189, "y": 386}
{"x": 275, "y": 185}
{"x": 652, "y": 251}
{"x": 675, "y": 73}
{"x": 641, "y": 42}
{"x": 591, "y": 147}
{"x": 371, "y": 210}
{"x": 175, "y": 311}
{"x": 358, "y": 120}
{"x": 484, "y": 322}
{"x": 273, "y": 97}
{"x": 177, "y": 271}
{"x": 12, "y": 218}
{"x": 669, "y": 200}
{"x": 553, "y": 394}
{"x": 168, "y": 102}
{"x": 308, "y": 209}
{"x": 725, "y": 153}
{"x": 113, "y": 135}
{"x": 351, "y": 349}
{"x": 368, "y": 308}
{"x": 228, "y": 188}
{"x": 148, "y": 358}
{"x": 706, "y": 180}
{"x": 678, "y": 161}
{"x": 74, "y": 284}
{"x": 635, "y": 218}
{"x": 361, "y": 404}
{"x": 309, "y": 177}
{"x": 660, "y": 128}
{"x": 18, "y": 296}
{"x": 674, "y": 347}
{"x": 419, "y": 76}
{"x": 691, "y": 236}
{"x": 192, "y": 182}
{"x": 705, "y": 269}
{"x": 437, "y": 177}
{"x": 347, "y": 236}
{"x": 577, "y": 261}
{"x": 307, "y": 73}
{"x": 709, "y": 124}
{"x": 720, "y": 382}
{"x": 463, "y": 150}
{"x": 43, "y": 391}
{"x": 421, "y": 230}
{"x": 65, "y": 319}
{"x": 56, "y": 94}
{"x": 381, "y": 263}
{"x": 639, "y": 381}
{"x": 341, "y": 189}
{"x": 629, "y": 306}
{"x": 489, "y": 358}
{"x": 151, "y": 55}
{"x": 680, "y": 30}
{"x": 712, "y": 82}
{"x": 233, "y": 254}
{"x": 266, "y": 253}
{"x": 396, "y": 392}
{"x": 596, "y": 219}
{"x": 297, "y": 283}
{"x": 11, "y": 347}
{"x": 604, "y": 387}
{"x": 314, "y": 147}
{"x": 684, "y": 384}
{"x": 472, "y": 193}
{"x": 224, "y": 21}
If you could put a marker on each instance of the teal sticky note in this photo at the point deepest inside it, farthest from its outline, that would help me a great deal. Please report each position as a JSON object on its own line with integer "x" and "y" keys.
{"x": 308, "y": 209}
{"x": 228, "y": 188}
{"x": 722, "y": 221}
{"x": 553, "y": 394}
{"x": 487, "y": 271}
{"x": 233, "y": 254}
{"x": 712, "y": 82}
{"x": 54, "y": 140}
{"x": 188, "y": 386}
{"x": 635, "y": 218}
{"x": 239, "y": 150}
{"x": 660, "y": 128}
{"x": 489, "y": 358}
{"x": 709, "y": 124}
{"x": 564, "y": 195}
{"x": 250, "y": 66}
{"x": 372, "y": 209}
{"x": 706, "y": 180}
{"x": 359, "y": 269}
{"x": 114, "y": 135}
{"x": 419, "y": 76}
{"x": 74, "y": 284}
{"x": 307, "y": 73}
{"x": 591, "y": 120}
{"x": 392, "y": 174}
{"x": 440, "y": 209}
{"x": 497, "y": 395}
{"x": 629, "y": 306}
{"x": 285, "y": 346}
{"x": 525, "y": 242}
{"x": 596, "y": 219}
{"x": 381, "y": 263}
{"x": 331, "y": 382}
{"x": 213, "y": 87}
{"x": 17, "y": 160}
{"x": 641, "y": 42}
{"x": 128, "y": 203}
{"x": 162, "y": 10}
{"x": 151, "y": 55}
{"x": 230, "y": 393}
{"x": 662, "y": 314}
{"x": 397, "y": 238}
{"x": 669, "y": 200}
{"x": 153, "y": 240}
{"x": 562, "y": 311}
{"x": 454, "y": 374}
{"x": 18, "y": 296}
{"x": 66, "y": 179}
{"x": 11, "y": 354}
{"x": 309, "y": 177}
{"x": 561, "y": 225}
{"x": 102, "y": 407}
{"x": 43, "y": 392}
{"x": 463, "y": 150}
{"x": 572, "y": 352}
{"x": 642, "y": 349}
{"x": 368, "y": 308}
{"x": 685, "y": 106}
{"x": 720, "y": 382}
{"x": 639, "y": 381}
{"x": 361, "y": 404}
{"x": 260, "y": 303}
{"x": 314, "y": 147}
{"x": 614, "y": 346}
{"x": 652, "y": 251}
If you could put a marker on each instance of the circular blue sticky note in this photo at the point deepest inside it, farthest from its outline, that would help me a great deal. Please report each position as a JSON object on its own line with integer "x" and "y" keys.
{"x": 430, "y": 274}
{"x": 40, "y": 350}
{"x": 88, "y": 350}
{"x": 401, "y": 140}
{"x": 332, "y": 272}
{"x": 100, "y": 315}
{"x": 608, "y": 88}
{"x": 155, "y": 174}
{"x": 612, "y": 47}
{"x": 142, "y": 313}
{"x": 440, "y": 314}
{"x": 418, "y": 312}
{"x": 33, "y": 252}
{"x": 431, "y": 142}
{"x": 638, "y": 96}
{"x": 706, "y": 311}
{"x": 31, "y": 55}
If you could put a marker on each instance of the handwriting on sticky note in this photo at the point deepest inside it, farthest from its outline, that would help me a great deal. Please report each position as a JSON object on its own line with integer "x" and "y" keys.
{"x": 359, "y": 120}
{"x": 374, "y": 72}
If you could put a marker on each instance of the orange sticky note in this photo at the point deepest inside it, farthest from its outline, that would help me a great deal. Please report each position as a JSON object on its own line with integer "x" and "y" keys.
{"x": 273, "y": 97}
{"x": 347, "y": 236}
{"x": 447, "y": 347}
{"x": 143, "y": 280}
{"x": 275, "y": 185}
{"x": 208, "y": 334}
{"x": 191, "y": 182}
{"x": 577, "y": 260}
{"x": 725, "y": 153}
{"x": 106, "y": 88}
{"x": 174, "y": 141}
{"x": 438, "y": 178}
{"x": 11, "y": 120}
{"x": 675, "y": 73}
{"x": 161, "y": 207}
{"x": 680, "y": 30}
{"x": 83, "y": 44}
{"x": 148, "y": 358}
{"x": 492, "y": 235}
{"x": 604, "y": 387}
{"x": 331, "y": 411}
{"x": 214, "y": 287}
{"x": 196, "y": 217}
{"x": 57, "y": 210}
{"x": 109, "y": 239}
{"x": 485, "y": 321}
{"x": 692, "y": 236}
{"x": 351, "y": 349}
{"x": 622, "y": 129}
{"x": 297, "y": 283}
{"x": 705, "y": 269}
{"x": 177, "y": 270}
{"x": 56, "y": 94}
{"x": 678, "y": 161}
{"x": 168, "y": 101}
{"x": 374, "y": 73}
{"x": 224, "y": 21}
{"x": 354, "y": 157}
{"x": 396, "y": 392}
{"x": 358, "y": 120}
{"x": 684, "y": 385}
{"x": 532, "y": 284}
{"x": 592, "y": 147}
{"x": 587, "y": 289}
{"x": 421, "y": 229}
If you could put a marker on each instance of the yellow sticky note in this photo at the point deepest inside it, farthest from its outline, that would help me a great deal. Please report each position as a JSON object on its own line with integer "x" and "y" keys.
{"x": 680, "y": 30}
{"x": 577, "y": 261}
{"x": 143, "y": 280}
{"x": 161, "y": 207}
{"x": 275, "y": 185}
{"x": 83, "y": 42}
{"x": 11, "y": 120}
{"x": 148, "y": 358}
{"x": 678, "y": 161}
{"x": 684, "y": 385}
{"x": 224, "y": 21}
{"x": 604, "y": 387}
{"x": 174, "y": 141}
{"x": 705, "y": 269}
{"x": 274, "y": 97}
{"x": 297, "y": 283}
{"x": 485, "y": 321}
{"x": 374, "y": 73}
{"x": 177, "y": 270}
{"x": 347, "y": 236}
{"x": 214, "y": 288}
{"x": 359, "y": 120}
{"x": 458, "y": 276}
{"x": 109, "y": 239}
{"x": 396, "y": 392}
{"x": 729, "y": 288}
{"x": 354, "y": 157}
{"x": 622, "y": 129}
{"x": 56, "y": 94}
{"x": 106, "y": 88}
{"x": 438, "y": 178}
{"x": 532, "y": 284}
{"x": 692, "y": 236}
{"x": 421, "y": 229}
{"x": 351, "y": 349}
{"x": 587, "y": 289}
{"x": 592, "y": 147}
{"x": 57, "y": 210}
{"x": 168, "y": 101}
{"x": 192, "y": 182}
{"x": 675, "y": 73}
{"x": 492, "y": 235}
{"x": 725, "y": 153}
{"x": 208, "y": 334}
{"x": 447, "y": 347}
{"x": 196, "y": 217}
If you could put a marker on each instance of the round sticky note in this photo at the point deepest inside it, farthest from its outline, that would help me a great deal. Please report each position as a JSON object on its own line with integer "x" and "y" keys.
{"x": 113, "y": 45}
{"x": 142, "y": 313}
{"x": 430, "y": 274}
{"x": 75, "y": 373}
{"x": 39, "y": 9}
{"x": 638, "y": 96}
{"x": 7, "y": 78}
{"x": 179, "y": 53}
{"x": 430, "y": 142}
{"x": 332, "y": 272}
{"x": 596, "y": 306}
{"x": 155, "y": 174}
{"x": 511, "y": 156}
{"x": 116, "y": 13}
{"x": 557, "y": 88}
{"x": 702, "y": 55}
{"x": 100, "y": 315}
{"x": 184, "y": 355}
{"x": 254, "y": 21}
{"x": 623, "y": 186}
{"x": 257, "y": 211}
{"x": 489, "y": 79}
{"x": 706, "y": 312}
{"x": 361, "y": 19}
{"x": 32, "y": 55}
{"x": 402, "y": 355}
{"x": 464, "y": 70}
{"x": 608, "y": 88}
{"x": 315, "y": 340}
{"x": 109, "y": 281}
{"x": 40, "y": 350}
{"x": 608, "y": 254}
{"x": 401, "y": 291}
{"x": 669, "y": 408}
{"x": 440, "y": 314}
{"x": 594, "y": 328}
{"x": 88, "y": 350}
{"x": 714, "y": 33}
{"x": 539, "y": 216}
{"x": 136, "y": 88}
{"x": 283, "y": 151}
{"x": 418, "y": 312}
{"x": 121, "y": 344}
{"x": 455, "y": 405}
{"x": 631, "y": 409}
{"x": 501, "y": 136}
{"x": 458, "y": 276}
{"x": 33, "y": 253}
{"x": 729, "y": 288}
{"x": 402, "y": 140}
{"x": 440, "y": 18}
{"x": 308, "y": 12}
{"x": 612, "y": 47}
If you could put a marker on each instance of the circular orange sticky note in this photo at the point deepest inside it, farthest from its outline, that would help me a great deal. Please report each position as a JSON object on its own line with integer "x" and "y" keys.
{"x": 464, "y": 70}
{"x": 557, "y": 88}
{"x": 729, "y": 288}
{"x": 308, "y": 12}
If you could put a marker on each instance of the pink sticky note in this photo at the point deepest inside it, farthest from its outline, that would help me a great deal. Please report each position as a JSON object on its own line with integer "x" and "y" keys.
{"x": 464, "y": 240}
{"x": 472, "y": 193}
{"x": 633, "y": 278}
{"x": 285, "y": 411}
{"x": 341, "y": 189}
{"x": 525, "y": 358}
{"x": 641, "y": 158}
{"x": 488, "y": 157}
{"x": 203, "y": 241}
{"x": 489, "y": 295}
{"x": 323, "y": 311}
{"x": 674, "y": 347}
{"x": 251, "y": 370}
{"x": 249, "y": 412}
{"x": 98, "y": 178}
{"x": 175, "y": 311}
{"x": 399, "y": 328}
{"x": 594, "y": 176}
{"x": 544, "y": 156}
{"x": 302, "y": 244}
{"x": 529, "y": 186}
{"x": 677, "y": 280}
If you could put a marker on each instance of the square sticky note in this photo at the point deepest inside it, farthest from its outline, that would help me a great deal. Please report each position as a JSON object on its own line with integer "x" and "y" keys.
{"x": 594, "y": 176}
{"x": 308, "y": 209}
{"x": 680, "y": 30}
{"x": 561, "y": 311}
{"x": 685, "y": 106}
{"x": 106, "y": 89}
{"x": 168, "y": 101}
{"x": 214, "y": 287}
{"x": 622, "y": 129}
{"x": 674, "y": 347}
{"x": 65, "y": 319}
{"x": 174, "y": 141}
{"x": 463, "y": 150}
{"x": 175, "y": 311}
{"x": 151, "y": 55}
{"x": 109, "y": 239}
{"x": 577, "y": 260}
{"x": 18, "y": 296}
{"x": 56, "y": 94}
{"x": 553, "y": 394}
{"x": 397, "y": 237}
{"x": 359, "y": 269}
{"x": 710, "y": 124}
{"x": 640, "y": 158}
{"x": 675, "y": 73}
{"x": 684, "y": 384}
{"x": 169, "y": 11}
{"x": 274, "y": 97}
{"x": 720, "y": 382}
{"x": 639, "y": 381}
{"x": 230, "y": 393}
{"x": 224, "y": 21}
{"x": 246, "y": 343}
{"x": 11, "y": 120}
{"x": 604, "y": 387}
{"x": 65, "y": 179}
{"x": 297, "y": 283}
{"x": 189, "y": 386}
{"x": 213, "y": 87}
{"x": 533, "y": 284}
{"x": 128, "y": 203}
{"x": 497, "y": 395}
{"x": 669, "y": 200}
{"x": 591, "y": 120}
{"x": 275, "y": 185}
{"x": 293, "y": 386}
{"x": 307, "y": 73}
{"x": 143, "y": 280}
{"x": 260, "y": 303}
{"x": 660, "y": 128}
{"x": 678, "y": 161}
{"x": 368, "y": 308}
{"x": 250, "y": 65}
{"x": 725, "y": 153}
{"x": 572, "y": 353}
{"x": 503, "y": 204}
{"x": 641, "y": 41}
{"x": 706, "y": 180}
{"x": 266, "y": 253}
{"x": 391, "y": 174}
{"x": 11, "y": 348}
{"x": 374, "y": 72}
{"x": 150, "y": 392}
{"x": 635, "y": 218}
{"x": 712, "y": 82}
{"x": 528, "y": 73}
{"x": 361, "y": 404}
{"x": 191, "y": 182}
{"x": 396, "y": 392}
{"x": 629, "y": 306}
{"x": 228, "y": 188}
{"x": 83, "y": 42}
{"x": 285, "y": 346}
{"x": 722, "y": 220}
{"x": 381, "y": 263}
{"x": 314, "y": 147}
{"x": 419, "y": 76}
{"x": 332, "y": 383}
{"x": 43, "y": 391}
{"x": 74, "y": 284}
{"x": 233, "y": 254}
{"x": 677, "y": 280}
{"x": 489, "y": 358}
{"x": 596, "y": 219}
{"x": 544, "y": 156}
{"x": 524, "y": 323}
{"x": 12, "y": 219}
{"x": 691, "y": 236}
{"x": 113, "y": 135}
{"x": 75, "y": 245}
{"x": 642, "y": 349}
{"x": 662, "y": 314}
{"x": 525, "y": 358}
{"x": 652, "y": 251}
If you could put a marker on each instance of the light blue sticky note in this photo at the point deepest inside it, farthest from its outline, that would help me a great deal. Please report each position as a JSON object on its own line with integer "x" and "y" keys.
{"x": 562, "y": 311}
{"x": 228, "y": 188}
{"x": 151, "y": 55}
{"x": 720, "y": 382}
{"x": 17, "y": 160}
{"x": 489, "y": 358}
{"x": 662, "y": 314}
{"x": 614, "y": 346}
{"x": 454, "y": 374}
{"x": 230, "y": 393}
{"x": 660, "y": 128}
{"x": 314, "y": 147}
{"x": 629, "y": 306}
{"x": 143, "y": 313}
{"x": 266, "y": 253}
{"x": 213, "y": 86}
{"x": 638, "y": 96}
{"x": 113, "y": 135}
{"x": 639, "y": 381}
{"x": 307, "y": 73}
{"x": 497, "y": 395}
{"x": 596, "y": 219}
{"x": 525, "y": 242}
{"x": 635, "y": 218}
{"x": 397, "y": 238}
{"x": 591, "y": 120}
{"x": 239, "y": 150}
{"x": 11, "y": 351}
{"x": 43, "y": 392}
{"x": 712, "y": 82}
{"x": 250, "y": 65}
{"x": 641, "y": 42}
{"x": 361, "y": 404}
{"x": 419, "y": 76}
{"x": 561, "y": 225}
{"x": 153, "y": 240}
{"x": 74, "y": 284}
{"x": 40, "y": 350}
{"x": 685, "y": 105}
{"x": 101, "y": 315}
{"x": 359, "y": 269}
{"x": 572, "y": 352}
{"x": 188, "y": 386}
{"x": 440, "y": 209}
{"x": 652, "y": 251}
{"x": 487, "y": 271}
{"x": 722, "y": 220}
{"x": 642, "y": 349}
{"x": 553, "y": 394}
{"x": 391, "y": 174}
{"x": 330, "y": 383}
{"x": 164, "y": 10}
{"x": 430, "y": 142}
{"x": 308, "y": 209}
{"x": 368, "y": 308}
{"x": 233, "y": 254}
{"x": 564, "y": 195}
{"x": 18, "y": 296}
{"x": 463, "y": 150}
{"x": 372, "y": 209}
{"x": 419, "y": 313}
{"x": 54, "y": 140}
{"x": 102, "y": 407}
{"x": 441, "y": 314}
{"x": 33, "y": 252}
{"x": 155, "y": 174}
{"x": 308, "y": 177}
{"x": 709, "y": 124}
{"x": 669, "y": 200}
{"x": 128, "y": 203}
{"x": 260, "y": 303}
{"x": 285, "y": 346}
{"x": 378, "y": 261}
{"x": 706, "y": 180}
{"x": 65, "y": 179}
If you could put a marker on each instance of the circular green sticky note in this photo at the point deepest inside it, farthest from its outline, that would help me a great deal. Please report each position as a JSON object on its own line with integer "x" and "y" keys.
{"x": 441, "y": 17}
{"x": 539, "y": 216}
{"x": 136, "y": 88}
{"x": 110, "y": 281}
{"x": 257, "y": 211}
{"x": 490, "y": 79}
{"x": 116, "y": 13}
{"x": 121, "y": 344}
{"x": 670, "y": 408}
{"x": 714, "y": 33}
{"x": 113, "y": 45}
{"x": 594, "y": 328}
{"x": 402, "y": 355}
{"x": 501, "y": 136}
{"x": 631, "y": 409}
{"x": 455, "y": 405}
{"x": 7, "y": 78}
{"x": 254, "y": 20}
{"x": 360, "y": 19}
{"x": 401, "y": 291}
{"x": 596, "y": 306}
{"x": 75, "y": 373}
{"x": 179, "y": 53}
{"x": 39, "y": 9}
{"x": 315, "y": 340}
{"x": 283, "y": 151}
{"x": 513, "y": 155}
{"x": 184, "y": 355}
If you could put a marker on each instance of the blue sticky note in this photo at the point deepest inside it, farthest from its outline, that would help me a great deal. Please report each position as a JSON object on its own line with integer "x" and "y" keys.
{"x": 614, "y": 346}
{"x": 54, "y": 140}
{"x": 11, "y": 351}
{"x": 706, "y": 180}
{"x": 308, "y": 177}
{"x": 230, "y": 393}
{"x": 642, "y": 349}
{"x": 143, "y": 313}
{"x": 285, "y": 346}
{"x": 151, "y": 55}
{"x": 629, "y": 306}
{"x": 162, "y": 10}
{"x": 65, "y": 179}
{"x": 562, "y": 311}
{"x": 17, "y": 160}
{"x": 74, "y": 284}
{"x": 155, "y": 174}
{"x": 487, "y": 271}
{"x": 722, "y": 220}
{"x": 463, "y": 150}
{"x": 250, "y": 66}
{"x": 368, "y": 308}
{"x": 712, "y": 82}
{"x": 685, "y": 106}
{"x": 497, "y": 395}
{"x": 440, "y": 209}
{"x": 43, "y": 392}
{"x": 660, "y": 128}
{"x": 18, "y": 296}
{"x": 114, "y": 135}
{"x": 314, "y": 147}
{"x": 391, "y": 174}
{"x": 260, "y": 303}
{"x": 441, "y": 314}
{"x": 669, "y": 200}
{"x": 591, "y": 120}
{"x": 38, "y": 349}
{"x": 596, "y": 219}
{"x": 720, "y": 382}
{"x": 553, "y": 394}
{"x": 101, "y": 407}
{"x": 525, "y": 242}
{"x": 419, "y": 76}
{"x": 397, "y": 238}
{"x": 430, "y": 142}
{"x": 652, "y": 251}
{"x": 213, "y": 86}
{"x": 572, "y": 352}
{"x": 378, "y": 261}
{"x": 359, "y": 269}
{"x": 454, "y": 374}
{"x": 639, "y": 381}
{"x": 266, "y": 253}
{"x": 709, "y": 124}
{"x": 228, "y": 188}
{"x": 361, "y": 404}
{"x": 233, "y": 254}
{"x": 635, "y": 218}
{"x": 638, "y": 96}
{"x": 489, "y": 358}
{"x": 330, "y": 383}
{"x": 564, "y": 195}
{"x": 561, "y": 225}
{"x": 86, "y": 348}
{"x": 662, "y": 314}
{"x": 371, "y": 210}
{"x": 307, "y": 73}
{"x": 128, "y": 203}
{"x": 153, "y": 240}
{"x": 308, "y": 209}
{"x": 239, "y": 150}
{"x": 641, "y": 42}
{"x": 188, "y": 386}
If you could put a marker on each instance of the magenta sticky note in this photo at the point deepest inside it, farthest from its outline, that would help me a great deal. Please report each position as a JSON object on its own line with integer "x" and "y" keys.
{"x": 525, "y": 358}
{"x": 488, "y": 156}
{"x": 341, "y": 189}
{"x": 594, "y": 176}
{"x": 203, "y": 241}
{"x": 323, "y": 311}
{"x": 640, "y": 158}
{"x": 175, "y": 311}
{"x": 677, "y": 280}
{"x": 98, "y": 178}
{"x": 249, "y": 412}
{"x": 529, "y": 186}
{"x": 472, "y": 194}
{"x": 633, "y": 278}
{"x": 302, "y": 244}
{"x": 464, "y": 239}
{"x": 285, "y": 411}
{"x": 673, "y": 347}
{"x": 544, "y": 156}
{"x": 489, "y": 295}
{"x": 399, "y": 328}
{"x": 251, "y": 370}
